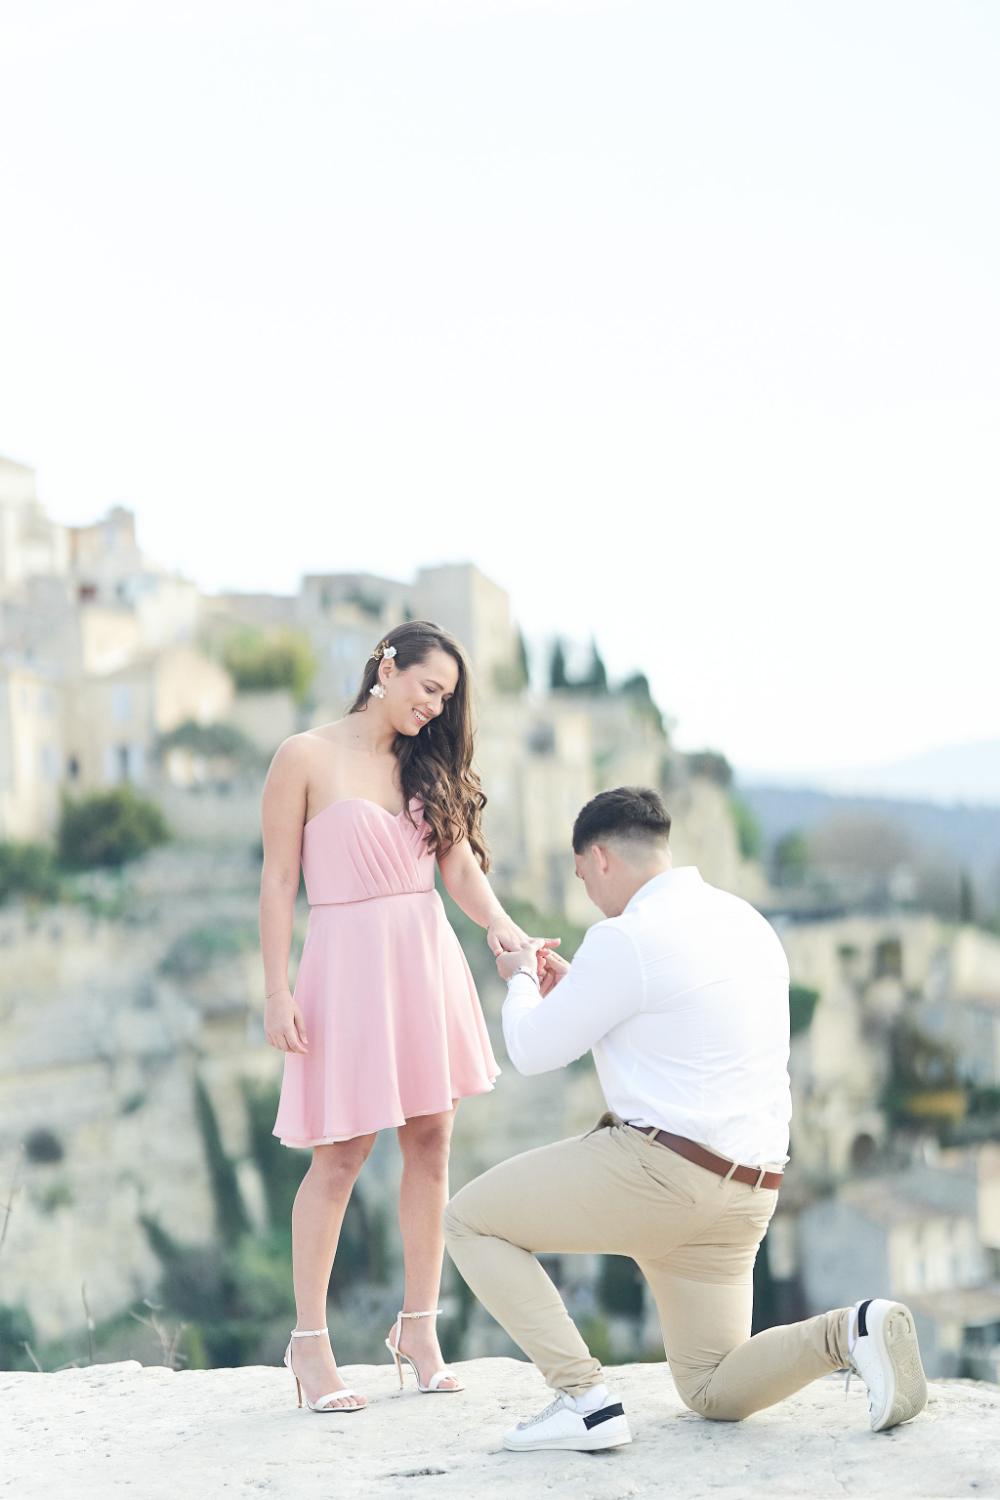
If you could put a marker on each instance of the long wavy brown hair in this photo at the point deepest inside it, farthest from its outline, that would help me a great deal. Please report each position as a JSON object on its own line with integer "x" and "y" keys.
{"x": 436, "y": 764}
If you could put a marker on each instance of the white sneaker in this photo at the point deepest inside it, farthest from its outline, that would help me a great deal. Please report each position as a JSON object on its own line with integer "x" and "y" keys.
{"x": 560, "y": 1425}
{"x": 887, "y": 1357}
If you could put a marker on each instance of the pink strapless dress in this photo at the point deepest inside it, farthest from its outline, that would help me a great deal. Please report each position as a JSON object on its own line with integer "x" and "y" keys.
{"x": 394, "y": 1022}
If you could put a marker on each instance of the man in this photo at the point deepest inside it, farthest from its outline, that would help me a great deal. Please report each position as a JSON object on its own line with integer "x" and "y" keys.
{"x": 682, "y": 993}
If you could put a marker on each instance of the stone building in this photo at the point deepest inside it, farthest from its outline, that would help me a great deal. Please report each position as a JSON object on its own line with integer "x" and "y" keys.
{"x": 927, "y": 1236}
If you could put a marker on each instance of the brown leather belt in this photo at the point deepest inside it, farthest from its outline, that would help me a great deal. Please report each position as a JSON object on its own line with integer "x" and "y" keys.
{"x": 754, "y": 1177}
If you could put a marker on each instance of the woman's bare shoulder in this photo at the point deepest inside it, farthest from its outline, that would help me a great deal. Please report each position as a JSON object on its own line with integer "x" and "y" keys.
{"x": 321, "y": 738}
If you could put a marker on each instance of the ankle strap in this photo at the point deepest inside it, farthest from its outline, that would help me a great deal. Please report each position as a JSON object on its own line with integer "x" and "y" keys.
{"x": 307, "y": 1333}
{"x": 432, "y": 1314}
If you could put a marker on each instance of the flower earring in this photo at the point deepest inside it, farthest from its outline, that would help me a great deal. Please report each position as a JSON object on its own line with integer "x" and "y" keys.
{"x": 376, "y": 689}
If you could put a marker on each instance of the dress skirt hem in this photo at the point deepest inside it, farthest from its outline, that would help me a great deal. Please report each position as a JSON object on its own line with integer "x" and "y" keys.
{"x": 333, "y": 1140}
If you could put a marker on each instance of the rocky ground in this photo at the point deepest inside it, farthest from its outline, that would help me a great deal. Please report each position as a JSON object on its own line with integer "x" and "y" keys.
{"x": 149, "y": 1432}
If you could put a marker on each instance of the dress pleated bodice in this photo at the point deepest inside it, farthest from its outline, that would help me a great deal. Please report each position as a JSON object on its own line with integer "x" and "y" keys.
{"x": 354, "y": 850}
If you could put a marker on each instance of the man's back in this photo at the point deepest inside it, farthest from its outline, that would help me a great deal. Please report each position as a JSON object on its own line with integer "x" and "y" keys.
{"x": 706, "y": 1054}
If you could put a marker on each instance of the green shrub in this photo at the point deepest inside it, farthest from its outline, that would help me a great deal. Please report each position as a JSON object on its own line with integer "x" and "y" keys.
{"x": 802, "y": 1001}
{"x": 213, "y": 741}
{"x": 711, "y": 766}
{"x": 790, "y": 859}
{"x": 748, "y": 832}
{"x": 258, "y": 661}
{"x": 230, "y": 1213}
{"x": 637, "y": 690}
{"x": 108, "y": 828}
{"x": 196, "y": 949}
{"x": 281, "y": 1168}
{"x": 16, "y": 1330}
{"x": 620, "y": 1286}
{"x": 28, "y": 869}
{"x": 597, "y": 1336}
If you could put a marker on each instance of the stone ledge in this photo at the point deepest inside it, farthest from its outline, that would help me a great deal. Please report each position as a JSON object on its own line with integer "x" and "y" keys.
{"x": 122, "y": 1429}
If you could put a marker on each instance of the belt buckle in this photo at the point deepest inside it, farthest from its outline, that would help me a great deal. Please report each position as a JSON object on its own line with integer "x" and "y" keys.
{"x": 760, "y": 1178}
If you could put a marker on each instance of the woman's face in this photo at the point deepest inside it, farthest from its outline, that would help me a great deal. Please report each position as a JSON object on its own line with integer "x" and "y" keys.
{"x": 416, "y": 696}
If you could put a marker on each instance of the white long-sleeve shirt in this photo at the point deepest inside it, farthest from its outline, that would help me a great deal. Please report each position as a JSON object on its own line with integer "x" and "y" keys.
{"x": 683, "y": 1000}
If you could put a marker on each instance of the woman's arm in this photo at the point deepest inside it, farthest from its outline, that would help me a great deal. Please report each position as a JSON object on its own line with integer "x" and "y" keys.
{"x": 471, "y": 891}
{"x": 282, "y": 814}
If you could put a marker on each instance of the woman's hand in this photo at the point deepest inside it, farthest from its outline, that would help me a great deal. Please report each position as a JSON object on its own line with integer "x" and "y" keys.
{"x": 284, "y": 1025}
{"x": 504, "y": 936}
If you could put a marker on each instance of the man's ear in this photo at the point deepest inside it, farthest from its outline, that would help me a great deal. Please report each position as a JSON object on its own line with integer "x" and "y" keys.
{"x": 601, "y": 855}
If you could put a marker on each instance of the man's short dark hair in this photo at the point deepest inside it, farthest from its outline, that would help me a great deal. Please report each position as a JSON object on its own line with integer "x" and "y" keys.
{"x": 630, "y": 812}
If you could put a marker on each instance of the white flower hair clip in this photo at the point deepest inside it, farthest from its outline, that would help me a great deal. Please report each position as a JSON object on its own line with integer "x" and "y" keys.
{"x": 382, "y": 649}
{"x": 389, "y": 651}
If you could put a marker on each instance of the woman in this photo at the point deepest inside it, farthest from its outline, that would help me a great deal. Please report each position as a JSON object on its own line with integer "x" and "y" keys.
{"x": 385, "y": 1027}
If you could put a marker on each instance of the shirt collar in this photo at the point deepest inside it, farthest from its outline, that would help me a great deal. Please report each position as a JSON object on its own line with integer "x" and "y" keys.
{"x": 667, "y": 880}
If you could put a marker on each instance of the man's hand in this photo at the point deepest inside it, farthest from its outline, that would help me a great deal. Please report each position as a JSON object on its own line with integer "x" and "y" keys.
{"x": 554, "y": 969}
{"x": 532, "y": 956}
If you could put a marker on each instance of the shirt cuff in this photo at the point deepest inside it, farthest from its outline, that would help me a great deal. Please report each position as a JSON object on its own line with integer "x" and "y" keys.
{"x": 523, "y": 994}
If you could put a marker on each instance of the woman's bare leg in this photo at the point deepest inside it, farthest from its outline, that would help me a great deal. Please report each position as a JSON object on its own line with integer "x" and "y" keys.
{"x": 317, "y": 1216}
{"x": 424, "y": 1141}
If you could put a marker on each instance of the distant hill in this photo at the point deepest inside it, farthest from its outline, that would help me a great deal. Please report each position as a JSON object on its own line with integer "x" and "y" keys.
{"x": 967, "y": 837}
{"x": 964, "y": 774}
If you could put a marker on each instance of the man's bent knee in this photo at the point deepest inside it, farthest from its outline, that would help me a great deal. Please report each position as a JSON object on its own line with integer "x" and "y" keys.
{"x": 716, "y": 1406}
{"x": 455, "y": 1225}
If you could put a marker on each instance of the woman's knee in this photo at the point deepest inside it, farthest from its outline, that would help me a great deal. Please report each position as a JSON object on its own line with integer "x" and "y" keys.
{"x": 426, "y": 1144}
{"x": 337, "y": 1165}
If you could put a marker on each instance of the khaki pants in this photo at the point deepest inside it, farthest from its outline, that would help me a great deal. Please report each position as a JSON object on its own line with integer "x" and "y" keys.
{"x": 693, "y": 1235}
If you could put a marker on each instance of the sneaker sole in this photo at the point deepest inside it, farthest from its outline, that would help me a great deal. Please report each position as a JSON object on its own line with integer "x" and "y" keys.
{"x": 589, "y": 1443}
{"x": 905, "y": 1381}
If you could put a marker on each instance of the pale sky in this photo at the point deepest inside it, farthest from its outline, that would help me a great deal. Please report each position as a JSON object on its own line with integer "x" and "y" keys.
{"x": 680, "y": 320}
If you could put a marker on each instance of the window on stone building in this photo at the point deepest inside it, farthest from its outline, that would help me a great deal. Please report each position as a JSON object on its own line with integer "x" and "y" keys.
{"x": 121, "y": 703}
{"x": 888, "y": 959}
{"x": 43, "y": 1146}
{"x": 542, "y": 738}
{"x": 863, "y": 1152}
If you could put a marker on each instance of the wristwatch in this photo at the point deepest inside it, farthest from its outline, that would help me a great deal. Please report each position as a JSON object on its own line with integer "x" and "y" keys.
{"x": 532, "y": 973}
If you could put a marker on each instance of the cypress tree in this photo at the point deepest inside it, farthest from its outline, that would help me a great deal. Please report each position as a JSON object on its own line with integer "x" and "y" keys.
{"x": 558, "y": 680}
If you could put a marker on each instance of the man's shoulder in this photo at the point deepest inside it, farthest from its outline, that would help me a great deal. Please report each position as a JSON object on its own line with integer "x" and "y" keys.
{"x": 685, "y": 913}
{"x": 611, "y": 931}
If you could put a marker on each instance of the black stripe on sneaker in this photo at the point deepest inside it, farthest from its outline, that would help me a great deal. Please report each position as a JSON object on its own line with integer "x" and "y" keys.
{"x": 863, "y": 1318}
{"x": 604, "y": 1415}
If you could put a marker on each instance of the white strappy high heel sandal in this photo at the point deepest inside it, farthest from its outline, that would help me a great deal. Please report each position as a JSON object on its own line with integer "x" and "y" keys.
{"x": 433, "y": 1386}
{"x": 324, "y": 1402}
